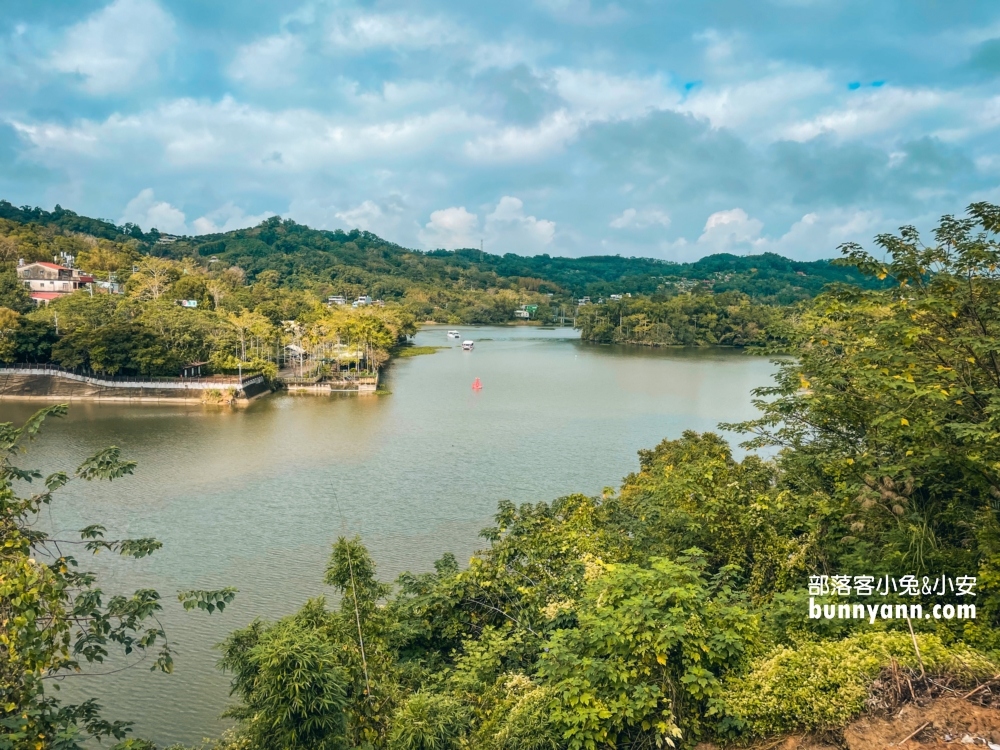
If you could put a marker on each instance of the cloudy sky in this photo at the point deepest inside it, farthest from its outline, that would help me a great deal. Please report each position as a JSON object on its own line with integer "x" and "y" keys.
{"x": 640, "y": 127}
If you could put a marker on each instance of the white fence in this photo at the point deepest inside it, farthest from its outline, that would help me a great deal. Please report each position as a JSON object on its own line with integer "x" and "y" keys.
{"x": 189, "y": 384}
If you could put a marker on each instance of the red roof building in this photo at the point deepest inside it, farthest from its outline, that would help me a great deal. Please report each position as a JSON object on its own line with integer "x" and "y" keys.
{"x": 44, "y": 298}
{"x": 50, "y": 280}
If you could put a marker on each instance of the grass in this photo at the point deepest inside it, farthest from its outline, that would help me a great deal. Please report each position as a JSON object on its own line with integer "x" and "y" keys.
{"x": 415, "y": 351}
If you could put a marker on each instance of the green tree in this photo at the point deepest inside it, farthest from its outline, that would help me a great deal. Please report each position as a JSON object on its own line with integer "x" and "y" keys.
{"x": 291, "y": 684}
{"x": 9, "y": 324}
{"x": 193, "y": 287}
{"x": 119, "y": 348}
{"x": 645, "y": 664}
{"x": 14, "y": 295}
{"x": 152, "y": 278}
{"x": 887, "y": 418}
{"x": 33, "y": 341}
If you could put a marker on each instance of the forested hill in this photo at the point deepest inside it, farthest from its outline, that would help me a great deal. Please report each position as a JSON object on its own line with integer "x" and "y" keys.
{"x": 357, "y": 260}
{"x": 68, "y": 221}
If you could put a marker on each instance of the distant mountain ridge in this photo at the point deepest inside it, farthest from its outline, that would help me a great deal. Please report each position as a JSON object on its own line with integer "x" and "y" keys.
{"x": 303, "y": 256}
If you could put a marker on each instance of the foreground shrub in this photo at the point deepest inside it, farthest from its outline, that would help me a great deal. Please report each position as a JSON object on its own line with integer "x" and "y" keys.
{"x": 645, "y": 664}
{"x": 825, "y": 684}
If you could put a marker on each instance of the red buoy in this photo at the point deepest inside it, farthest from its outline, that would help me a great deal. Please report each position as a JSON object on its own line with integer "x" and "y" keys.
{"x": 476, "y": 385}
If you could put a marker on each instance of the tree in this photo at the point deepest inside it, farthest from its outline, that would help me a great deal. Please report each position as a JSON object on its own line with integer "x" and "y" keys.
{"x": 310, "y": 680}
{"x": 291, "y": 684}
{"x": 33, "y": 341}
{"x": 55, "y": 620}
{"x": 152, "y": 278}
{"x": 888, "y": 416}
{"x": 218, "y": 290}
{"x": 8, "y": 249}
{"x": 13, "y": 294}
{"x": 81, "y": 310}
{"x": 9, "y": 323}
{"x": 193, "y": 287}
{"x": 118, "y": 348}
{"x": 254, "y": 329}
{"x": 645, "y": 664}
{"x": 105, "y": 258}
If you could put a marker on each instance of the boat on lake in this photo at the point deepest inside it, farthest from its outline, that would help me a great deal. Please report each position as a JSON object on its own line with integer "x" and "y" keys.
{"x": 467, "y": 345}
{"x": 454, "y": 334}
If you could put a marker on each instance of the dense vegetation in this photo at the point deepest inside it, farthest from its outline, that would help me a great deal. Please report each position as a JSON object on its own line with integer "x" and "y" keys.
{"x": 142, "y": 331}
{"x": 262, "y": 288}
{"x": 675, "y": 609}
{"x": 461, "y": 286}
{"x": 683, "y": 319}
{"x": 353, "y": 261}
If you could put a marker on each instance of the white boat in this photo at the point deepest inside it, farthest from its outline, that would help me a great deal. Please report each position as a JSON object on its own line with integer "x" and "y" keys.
{"x": 454, "y": 334}
{"x": 467, "y": 345}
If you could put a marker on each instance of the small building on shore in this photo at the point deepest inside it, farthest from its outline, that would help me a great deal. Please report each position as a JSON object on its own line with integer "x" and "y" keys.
{"x": 192, "y": 369}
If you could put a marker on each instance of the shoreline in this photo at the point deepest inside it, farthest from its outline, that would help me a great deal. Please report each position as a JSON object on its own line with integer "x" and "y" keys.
{"x": 52, "y": 385}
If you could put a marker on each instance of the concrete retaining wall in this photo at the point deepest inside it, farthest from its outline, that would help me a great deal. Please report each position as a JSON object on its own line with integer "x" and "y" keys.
{"x": 57, "y": 386}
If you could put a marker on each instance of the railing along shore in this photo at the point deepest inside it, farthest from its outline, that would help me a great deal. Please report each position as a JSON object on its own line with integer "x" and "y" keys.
{"x": 125, "y": 381}
{"x": 327, "y": 379}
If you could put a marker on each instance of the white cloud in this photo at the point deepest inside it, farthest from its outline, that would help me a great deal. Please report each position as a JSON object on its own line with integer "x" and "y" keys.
{"x": 626, "y": 219}
{"x": 872, "y": 112}
{"x": 813, "y": 237}
{"x": 631, "y": 218}
{"x": 363, "y": 31}
{"x": 117, "y": 46}
{"x": 506, "y": 54}
{"x": 506, "y": 229}
{"x": 450, "y": 228}
{"x": 150, "y": 213}
{"x": 601, "y": 96}
{"x": 190, "y": 133}
{"x": 730, "y": 231}
{"x": 817, "y": 235}
{"x": 399, "y": 96}
{"x": 583, "y": 11}
{"x": 589, "y": 96}
{"x": 384, "y": 216}
{"x": 269, "y": 62}
{"x": 357, "y": 32}
{"x": 509, "y": 230}
{"x": 719, "y": 48}
{"x": 761, "y": 104}
{"x": 227, "y": 218}
{"x": 513, "y": 143}
{"x": 363, "y": 216}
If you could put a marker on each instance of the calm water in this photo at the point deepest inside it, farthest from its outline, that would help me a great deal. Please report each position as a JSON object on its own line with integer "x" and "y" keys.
{"x": 254, "y": 498}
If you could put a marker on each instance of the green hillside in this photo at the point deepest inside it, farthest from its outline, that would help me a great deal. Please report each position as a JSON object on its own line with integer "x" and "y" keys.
{"x": 356, "y": 262}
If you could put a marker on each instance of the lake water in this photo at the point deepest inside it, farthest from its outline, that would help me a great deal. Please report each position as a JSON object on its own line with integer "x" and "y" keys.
{"x": 254, "y": 497}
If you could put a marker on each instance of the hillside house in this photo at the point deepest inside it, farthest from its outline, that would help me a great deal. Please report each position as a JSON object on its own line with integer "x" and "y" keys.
{"x": 49, "y": 281}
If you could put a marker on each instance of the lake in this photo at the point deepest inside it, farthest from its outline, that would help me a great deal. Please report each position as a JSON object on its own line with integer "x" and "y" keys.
{"x": 254, "y": 497}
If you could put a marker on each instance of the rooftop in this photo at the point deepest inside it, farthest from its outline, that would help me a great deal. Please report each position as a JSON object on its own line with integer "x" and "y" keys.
{"x": 56, "y": 266}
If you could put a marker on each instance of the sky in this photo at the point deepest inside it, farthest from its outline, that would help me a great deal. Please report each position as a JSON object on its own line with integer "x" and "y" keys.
{"x": 652, "y": 128}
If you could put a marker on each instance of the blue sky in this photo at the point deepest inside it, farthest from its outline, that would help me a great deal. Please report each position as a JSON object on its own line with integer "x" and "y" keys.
{"x": 571, "y": 127}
